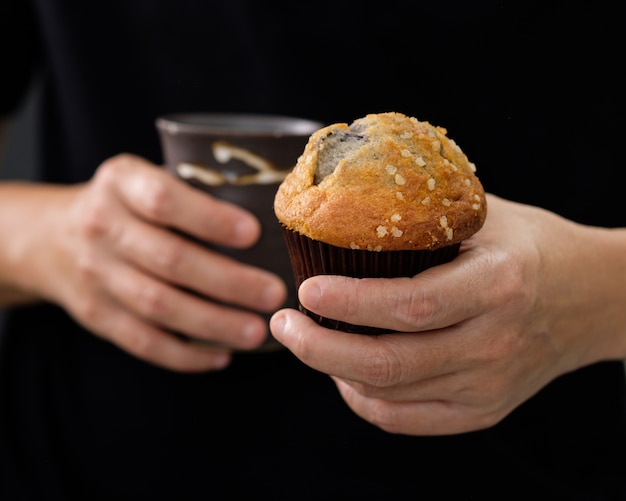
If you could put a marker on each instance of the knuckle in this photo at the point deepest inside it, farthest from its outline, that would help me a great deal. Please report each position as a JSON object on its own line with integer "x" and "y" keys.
{"x": 110, "y": 169}
{"x": 509, "y": 281}
{"x": 93, "y": 219}
{"x": 156, "y": 198}
{"x": 94, "y": 226}
{"x": 383, "y": 368}
{"x": 415, "y": 307}
{"x": 170, "y": 256}
{"x": 151, "y": 300}
{"x": 513, "y": 288}
{"x": 93, "y": 215}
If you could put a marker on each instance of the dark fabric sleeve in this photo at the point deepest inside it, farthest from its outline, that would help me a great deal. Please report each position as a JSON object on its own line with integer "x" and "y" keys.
{"x": 20, "y": 46}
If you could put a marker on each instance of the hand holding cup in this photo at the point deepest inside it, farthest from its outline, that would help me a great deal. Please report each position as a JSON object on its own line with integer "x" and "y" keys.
{"x": 240, "y": 158}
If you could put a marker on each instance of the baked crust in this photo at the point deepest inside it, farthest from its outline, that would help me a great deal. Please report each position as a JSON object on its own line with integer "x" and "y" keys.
{"x": 385, "y": 182}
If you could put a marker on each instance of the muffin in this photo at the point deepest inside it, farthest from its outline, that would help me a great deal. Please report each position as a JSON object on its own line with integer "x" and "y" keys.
{"x": 386, "y": 196}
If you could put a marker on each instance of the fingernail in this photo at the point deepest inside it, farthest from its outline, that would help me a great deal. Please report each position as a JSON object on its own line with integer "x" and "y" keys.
{"x": 253, "y": 330}
{"x": 246, "y": 231}
{"x": 310, "y": 294}
{"x": 274, "y": 295}
{"x": 277, "y": 325}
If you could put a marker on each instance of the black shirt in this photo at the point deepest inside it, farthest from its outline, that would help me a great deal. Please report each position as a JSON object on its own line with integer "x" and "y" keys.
{"x": 532, "y": 91}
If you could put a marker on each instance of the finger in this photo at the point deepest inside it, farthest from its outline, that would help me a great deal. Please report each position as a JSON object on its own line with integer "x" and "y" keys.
{"x": 184, "y": 263}
{"x": 381, "y": 361}
{"x": 153, "y": 345}
{"x": 429, "y": 417}
{"x": 469, "y": 387}
{"x": 157, "y": 196}
{"x": 171, "y": 308}
{"x": 433, "y": 299}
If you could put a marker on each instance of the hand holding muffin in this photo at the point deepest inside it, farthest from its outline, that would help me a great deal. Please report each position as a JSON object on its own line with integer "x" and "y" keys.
{"x": 530, "y": 296}
{"x": 387, "y": 196}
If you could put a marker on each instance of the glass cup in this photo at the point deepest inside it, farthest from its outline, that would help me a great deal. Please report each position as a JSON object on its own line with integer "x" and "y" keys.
{"x": 241, "y": 158}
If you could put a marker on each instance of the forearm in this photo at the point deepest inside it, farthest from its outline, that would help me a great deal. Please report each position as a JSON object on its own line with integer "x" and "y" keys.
{"x": 600, "y": 280}
{"x": 25, "y": 214}
{"x": 570, "y": 287}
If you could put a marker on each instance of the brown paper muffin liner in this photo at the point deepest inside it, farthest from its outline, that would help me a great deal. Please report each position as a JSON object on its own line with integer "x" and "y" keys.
{"x": 311, "y": 257}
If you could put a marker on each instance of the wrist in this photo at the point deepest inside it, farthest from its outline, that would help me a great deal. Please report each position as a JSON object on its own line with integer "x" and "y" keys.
{"x": 27, "y": 218}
